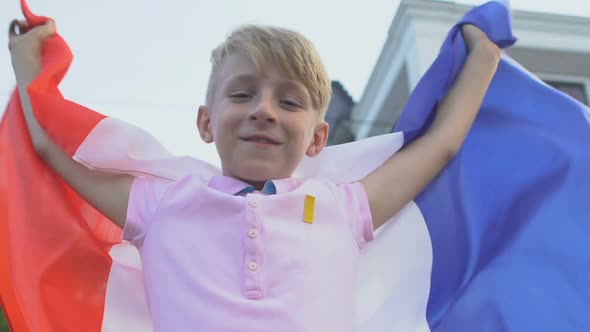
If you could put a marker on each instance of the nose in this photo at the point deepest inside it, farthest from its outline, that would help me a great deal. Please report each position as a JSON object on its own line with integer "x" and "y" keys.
{"x": 265, "y": 110}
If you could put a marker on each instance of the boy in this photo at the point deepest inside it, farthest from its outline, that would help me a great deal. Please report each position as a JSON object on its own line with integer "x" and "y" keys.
{"x": 238, "y": 253}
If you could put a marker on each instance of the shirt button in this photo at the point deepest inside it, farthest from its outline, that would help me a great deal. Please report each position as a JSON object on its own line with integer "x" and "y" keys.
{"x": 252, "y": 265}
{"x": 253, "y": 232}
{"x": 253, "y": 203}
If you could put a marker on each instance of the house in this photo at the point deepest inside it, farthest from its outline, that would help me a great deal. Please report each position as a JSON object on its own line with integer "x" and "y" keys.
{"x": 338, "y": 115}
{"x": 556, "y": 48}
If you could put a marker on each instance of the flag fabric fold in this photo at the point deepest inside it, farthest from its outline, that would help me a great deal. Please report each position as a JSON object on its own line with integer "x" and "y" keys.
{"x": 495, "y": 243}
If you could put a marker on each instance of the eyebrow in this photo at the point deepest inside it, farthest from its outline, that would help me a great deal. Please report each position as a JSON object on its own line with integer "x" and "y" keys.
{"x": 246, "y": 78}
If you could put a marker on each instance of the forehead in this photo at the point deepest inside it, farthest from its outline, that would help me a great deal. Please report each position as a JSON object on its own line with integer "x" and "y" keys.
{"x": 240, "y": 68}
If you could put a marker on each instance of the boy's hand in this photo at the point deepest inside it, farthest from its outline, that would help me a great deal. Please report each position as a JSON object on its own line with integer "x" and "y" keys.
{"x": 477, "y": 41}
{"x": 25, "y": 47}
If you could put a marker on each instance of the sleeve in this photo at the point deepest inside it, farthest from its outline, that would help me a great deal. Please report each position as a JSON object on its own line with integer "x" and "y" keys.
{"x": 357, "y": 211}
{"x": 144, "y": 200}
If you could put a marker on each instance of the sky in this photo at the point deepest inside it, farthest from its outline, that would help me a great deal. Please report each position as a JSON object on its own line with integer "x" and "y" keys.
{"x": 147, "y": 62}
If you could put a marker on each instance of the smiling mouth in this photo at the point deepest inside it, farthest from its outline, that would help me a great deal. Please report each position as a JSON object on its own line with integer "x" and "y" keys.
{"x": 261, "y": 140}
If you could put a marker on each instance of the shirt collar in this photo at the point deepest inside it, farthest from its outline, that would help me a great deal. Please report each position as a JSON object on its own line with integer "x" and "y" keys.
{"x": 237, "y": 187}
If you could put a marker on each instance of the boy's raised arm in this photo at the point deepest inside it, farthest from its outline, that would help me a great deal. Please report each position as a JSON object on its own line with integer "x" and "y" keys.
{"x": 403, "y": 176}
{"x": 108, "y": 193}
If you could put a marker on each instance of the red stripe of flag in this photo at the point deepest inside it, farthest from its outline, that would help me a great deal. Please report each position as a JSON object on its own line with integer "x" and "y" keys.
{"x": 54, "y": 260}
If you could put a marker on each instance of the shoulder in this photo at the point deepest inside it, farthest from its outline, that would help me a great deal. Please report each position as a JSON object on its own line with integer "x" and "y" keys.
{"x": 321, "y": 184}
{"x": 150, "y": 195}
{"x": 156, "y": 190}
{"x": 151, "y": 186}
{"x": 342, "y": 194}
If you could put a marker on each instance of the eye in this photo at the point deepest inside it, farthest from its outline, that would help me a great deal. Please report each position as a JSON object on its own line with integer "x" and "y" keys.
{"x": 240, "y": 96}
{"x": 291, "y": 103}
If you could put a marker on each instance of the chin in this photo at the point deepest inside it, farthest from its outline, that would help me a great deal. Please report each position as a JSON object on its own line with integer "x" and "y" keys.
{"x": 256, "y": 174}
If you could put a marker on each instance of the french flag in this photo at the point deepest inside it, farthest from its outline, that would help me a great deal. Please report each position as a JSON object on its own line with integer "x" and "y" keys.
{"x": 497, "y": 242}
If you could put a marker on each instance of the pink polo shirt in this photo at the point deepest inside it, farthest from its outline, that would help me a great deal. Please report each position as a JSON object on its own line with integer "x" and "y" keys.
{"x": 218, "y": 257}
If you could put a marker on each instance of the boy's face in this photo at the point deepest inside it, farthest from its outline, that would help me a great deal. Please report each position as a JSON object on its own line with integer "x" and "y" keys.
{"x": 262, "y": 123}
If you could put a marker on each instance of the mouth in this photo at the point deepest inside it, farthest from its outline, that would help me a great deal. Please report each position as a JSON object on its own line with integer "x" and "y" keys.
{"x": 261, "y": 140}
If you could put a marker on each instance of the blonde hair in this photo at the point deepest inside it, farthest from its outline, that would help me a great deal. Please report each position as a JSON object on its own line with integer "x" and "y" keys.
{"x": 290, "y": 50}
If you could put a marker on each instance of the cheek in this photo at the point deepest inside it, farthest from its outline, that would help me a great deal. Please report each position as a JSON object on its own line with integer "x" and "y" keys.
{"x": 223, "y": 123}
{"x": 303, "y": 133}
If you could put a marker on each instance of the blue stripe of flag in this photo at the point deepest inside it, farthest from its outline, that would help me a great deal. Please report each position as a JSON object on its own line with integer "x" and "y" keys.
{"x": 509, "y": 217}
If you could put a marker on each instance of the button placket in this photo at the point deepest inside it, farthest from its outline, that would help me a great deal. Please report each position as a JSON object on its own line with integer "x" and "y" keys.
{"x": 252, "y": 264}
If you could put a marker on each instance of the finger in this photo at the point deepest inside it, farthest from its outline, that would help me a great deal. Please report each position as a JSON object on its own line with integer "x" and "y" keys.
{"x": 23, "y": 27}
{"x": 12, "y": 28}
{"x": 18, "y": 28}
{"x": 46, "y": 30}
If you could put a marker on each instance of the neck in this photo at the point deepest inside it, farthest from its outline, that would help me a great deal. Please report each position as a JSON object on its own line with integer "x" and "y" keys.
{"x": 258, "y": 185}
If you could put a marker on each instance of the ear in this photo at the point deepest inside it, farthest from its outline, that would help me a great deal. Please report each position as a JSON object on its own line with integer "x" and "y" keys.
{"x": 319, "y": 140}
{"x": 204, "y": 124}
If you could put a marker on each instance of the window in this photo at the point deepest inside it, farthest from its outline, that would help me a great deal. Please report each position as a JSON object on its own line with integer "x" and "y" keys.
{"x": 576, "y": 90}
